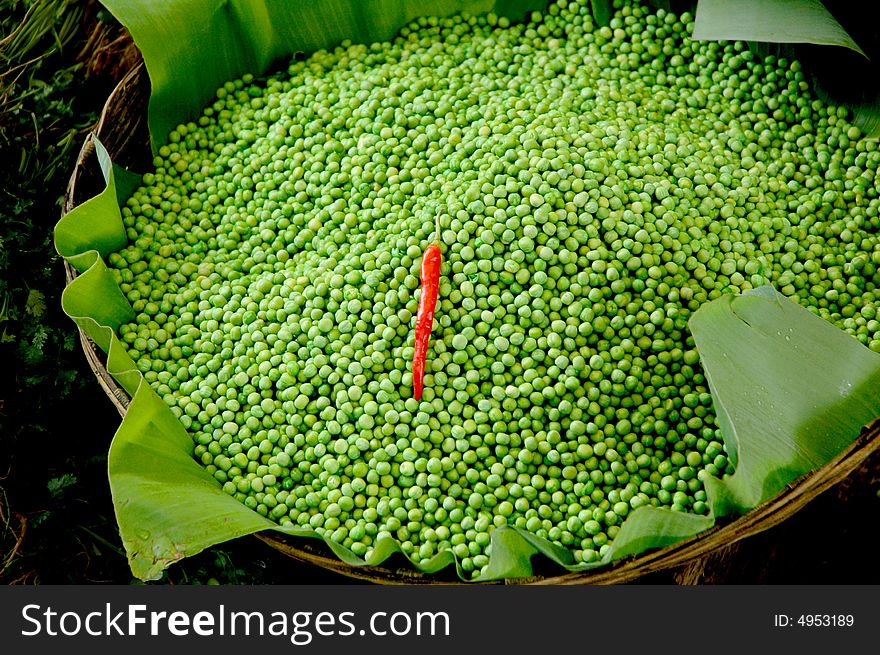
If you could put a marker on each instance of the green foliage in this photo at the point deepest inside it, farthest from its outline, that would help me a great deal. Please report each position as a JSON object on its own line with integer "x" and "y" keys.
{"x": 39, "y": 81}
{"x": 46, "y": 104}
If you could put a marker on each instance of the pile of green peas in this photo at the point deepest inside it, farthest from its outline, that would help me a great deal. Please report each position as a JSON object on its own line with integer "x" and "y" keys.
{"x": 595, "y": 186}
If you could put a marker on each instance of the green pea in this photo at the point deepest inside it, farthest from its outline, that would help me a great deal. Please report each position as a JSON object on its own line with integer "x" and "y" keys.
{"x": 585, "y": 213}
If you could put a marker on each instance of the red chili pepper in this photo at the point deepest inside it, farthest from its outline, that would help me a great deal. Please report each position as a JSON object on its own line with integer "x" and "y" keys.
{"x": 430, "y": 274}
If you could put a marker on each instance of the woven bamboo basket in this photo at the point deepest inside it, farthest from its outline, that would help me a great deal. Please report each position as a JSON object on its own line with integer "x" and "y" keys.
{"x": 706, "y": 558}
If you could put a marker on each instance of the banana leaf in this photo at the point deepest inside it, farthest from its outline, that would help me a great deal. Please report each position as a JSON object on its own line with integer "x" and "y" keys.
{"x": 777, "y": 372}
{"x": 775, "y": 21}
{"x": 602, "y": 11}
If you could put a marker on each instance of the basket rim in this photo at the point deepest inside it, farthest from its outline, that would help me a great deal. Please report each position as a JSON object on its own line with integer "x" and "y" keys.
{"x": 773, "y": 511}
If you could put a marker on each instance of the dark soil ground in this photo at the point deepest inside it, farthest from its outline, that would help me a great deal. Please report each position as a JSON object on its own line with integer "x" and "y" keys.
{"x": 56, "y": 517}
